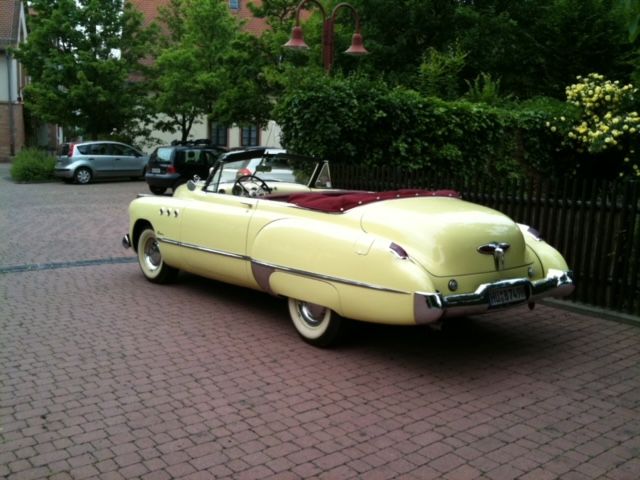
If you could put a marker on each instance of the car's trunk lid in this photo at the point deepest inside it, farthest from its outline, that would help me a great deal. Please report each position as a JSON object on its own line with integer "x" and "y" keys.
{"x": 448, "y": 236}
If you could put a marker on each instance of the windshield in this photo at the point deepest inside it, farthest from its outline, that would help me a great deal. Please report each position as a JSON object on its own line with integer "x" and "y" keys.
{"x": 272, "y": 168}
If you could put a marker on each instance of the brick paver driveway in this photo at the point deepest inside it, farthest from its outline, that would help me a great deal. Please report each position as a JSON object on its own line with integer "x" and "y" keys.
{"x": 104, "y": 375}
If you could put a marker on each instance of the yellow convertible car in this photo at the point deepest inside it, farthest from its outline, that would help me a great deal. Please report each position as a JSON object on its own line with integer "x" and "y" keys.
{"x": 270, "y": 221}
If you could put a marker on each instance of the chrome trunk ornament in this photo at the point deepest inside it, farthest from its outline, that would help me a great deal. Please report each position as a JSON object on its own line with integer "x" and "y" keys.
{"x": 497, "y": 250}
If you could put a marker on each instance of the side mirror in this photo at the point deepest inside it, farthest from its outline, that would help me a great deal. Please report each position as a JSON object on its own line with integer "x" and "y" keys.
{"x": 191, "y": 185}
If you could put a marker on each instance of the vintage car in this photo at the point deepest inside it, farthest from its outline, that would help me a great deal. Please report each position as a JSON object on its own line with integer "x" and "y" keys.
{"x": 405, "y": 257}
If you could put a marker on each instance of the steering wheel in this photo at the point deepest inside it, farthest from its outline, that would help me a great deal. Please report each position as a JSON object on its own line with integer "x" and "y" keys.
{"x": 240, "y": 189}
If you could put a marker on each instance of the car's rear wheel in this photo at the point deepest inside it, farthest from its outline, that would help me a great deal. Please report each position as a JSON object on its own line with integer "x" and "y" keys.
{"x": 317, "y": 325}
{"x": 82, "y": 176}
{"x": 151, "y": 261}
{"x": 157, "y": 190}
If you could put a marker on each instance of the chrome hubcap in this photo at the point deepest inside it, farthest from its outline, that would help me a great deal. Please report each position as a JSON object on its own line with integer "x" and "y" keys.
{"x": 312, "y": 314}
{"x": 83, "y": 176}
{"x": 152, "y": 254}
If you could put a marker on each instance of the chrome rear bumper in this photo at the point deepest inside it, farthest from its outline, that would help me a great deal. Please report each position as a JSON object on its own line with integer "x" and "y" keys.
{"x": 431, "y": 307}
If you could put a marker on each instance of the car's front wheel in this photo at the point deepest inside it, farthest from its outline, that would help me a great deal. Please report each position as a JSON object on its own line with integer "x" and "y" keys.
{"x": 82, "y": 176}
{"x": 317, "y": 325}
{"x": 151, "y": 261}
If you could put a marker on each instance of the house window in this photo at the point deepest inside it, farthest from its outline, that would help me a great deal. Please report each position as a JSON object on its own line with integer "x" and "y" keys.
{"x": 219, "y": 134}
{"x": 249, "y": 136}
{"x": 234, "y": 4}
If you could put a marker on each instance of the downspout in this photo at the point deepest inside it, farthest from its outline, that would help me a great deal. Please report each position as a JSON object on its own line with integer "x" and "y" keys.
{"x": 12, "y": 125}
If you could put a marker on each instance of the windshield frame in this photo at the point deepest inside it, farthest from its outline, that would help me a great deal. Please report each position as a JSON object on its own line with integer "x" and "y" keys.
{"x": 215, "y": 175}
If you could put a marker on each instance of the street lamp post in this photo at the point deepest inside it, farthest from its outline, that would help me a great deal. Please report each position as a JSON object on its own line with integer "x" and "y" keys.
{"x": 297, "y": 39}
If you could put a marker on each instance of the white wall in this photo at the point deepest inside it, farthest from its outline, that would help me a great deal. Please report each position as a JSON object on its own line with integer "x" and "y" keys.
{"x": 4, "y": 80}
{"x": 269, "y": 136}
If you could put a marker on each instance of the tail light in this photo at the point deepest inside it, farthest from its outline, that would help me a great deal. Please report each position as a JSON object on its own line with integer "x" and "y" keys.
{"x": 171, "y": 169}
{"x": 72, "y": 146}
{"x": 398, "y": 251}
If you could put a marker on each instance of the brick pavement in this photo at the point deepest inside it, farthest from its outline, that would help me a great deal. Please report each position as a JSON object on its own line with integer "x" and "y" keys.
{"x": 104, "y": 375}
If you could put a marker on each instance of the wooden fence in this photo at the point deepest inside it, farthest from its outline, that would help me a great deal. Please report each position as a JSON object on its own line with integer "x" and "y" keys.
{"x": 595, "y": 224}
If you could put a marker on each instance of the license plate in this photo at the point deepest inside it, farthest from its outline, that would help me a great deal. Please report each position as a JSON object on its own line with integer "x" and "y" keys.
{"x": 507, "y": 295}
{"x": 155, "y": 170}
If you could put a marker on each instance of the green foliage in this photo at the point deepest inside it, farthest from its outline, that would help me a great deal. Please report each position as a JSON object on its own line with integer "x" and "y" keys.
{"x": 372, "y": 124}
{"x": 631, "y": 10}
{"x": 189, "y": 75}
{"x": 534, "y": 47}
{"x": 484, "y": 89}
{"x": 80, "y": 57}
{"x": 32, "y": 165}
{"x": 247, "y": 98}
{"x": 608, "y": 123}
{"x": 439, "y": 72}
{"x": 399, "y": 33}
{"x": 537, "y": 48}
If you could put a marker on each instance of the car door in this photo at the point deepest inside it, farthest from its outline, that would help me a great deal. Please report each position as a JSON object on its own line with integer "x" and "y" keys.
{"x": 214, "y": 231}
{"x": 99, "y": 157}
{"x": 126, "y": 161}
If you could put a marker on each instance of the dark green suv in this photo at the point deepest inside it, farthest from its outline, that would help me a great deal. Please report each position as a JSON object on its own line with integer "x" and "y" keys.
{"x": 172, "y": 165}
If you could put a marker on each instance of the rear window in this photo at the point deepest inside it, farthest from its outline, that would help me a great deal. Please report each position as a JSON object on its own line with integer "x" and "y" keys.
{"x": 163, "y": 154}
{"x": 64, "y": 149}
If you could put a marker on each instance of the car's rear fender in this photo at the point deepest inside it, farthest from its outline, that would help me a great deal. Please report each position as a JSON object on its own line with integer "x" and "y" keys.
{"x": 548, "y": 257}
{"x": 339, "y": 266}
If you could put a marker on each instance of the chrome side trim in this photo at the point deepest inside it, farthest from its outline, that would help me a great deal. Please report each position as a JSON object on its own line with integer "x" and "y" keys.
{"x": 328, "y": 278}
{"x": 203, "y": 249}
{"x": 430, "y": 307}
{"x": 267, "y": 269}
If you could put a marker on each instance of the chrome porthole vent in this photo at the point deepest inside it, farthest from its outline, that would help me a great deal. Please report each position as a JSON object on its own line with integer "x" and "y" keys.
{"x": 453, "y": 285}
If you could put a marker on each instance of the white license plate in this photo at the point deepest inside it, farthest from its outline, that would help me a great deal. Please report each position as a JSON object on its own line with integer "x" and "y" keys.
{"x": 507, "y": 295}
{"x": 155, "y": 170}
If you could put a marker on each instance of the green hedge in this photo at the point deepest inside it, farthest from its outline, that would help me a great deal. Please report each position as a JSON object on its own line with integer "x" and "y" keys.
{"x": 359, "y": 121}
{"x": 32, "y": 165}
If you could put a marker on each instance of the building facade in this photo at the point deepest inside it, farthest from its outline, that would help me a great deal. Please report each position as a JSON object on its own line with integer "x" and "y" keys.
{"x": 13, "y": 32}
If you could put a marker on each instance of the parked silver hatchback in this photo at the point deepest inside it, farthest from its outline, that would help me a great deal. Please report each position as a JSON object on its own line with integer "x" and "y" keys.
{"x": 86, "y": 161}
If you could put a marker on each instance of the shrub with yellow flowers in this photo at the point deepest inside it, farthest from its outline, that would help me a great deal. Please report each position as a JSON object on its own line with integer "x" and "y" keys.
{"x": 607, "y": 121}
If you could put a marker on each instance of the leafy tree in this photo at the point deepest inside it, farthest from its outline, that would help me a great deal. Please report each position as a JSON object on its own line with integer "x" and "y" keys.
{"x": 531, "y": 47}
{"x": 439, "y": 72}
{"x": 400, "y": 33}
{"x": 248, "y": 96}
{"x": 188, "y": 77}
{"x": 278, "y": 12}
{"x": 537, "y": 48}
{"x": 631, "y": 9}
{"x": 83, "y": 57}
